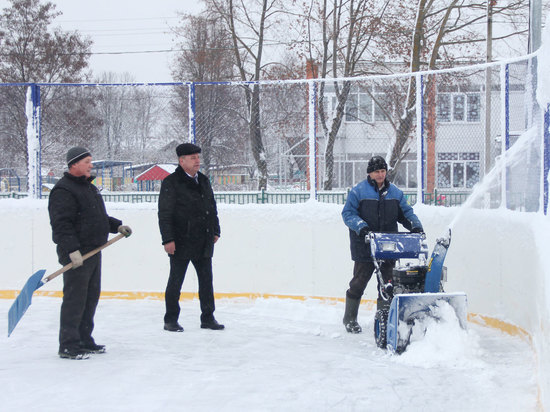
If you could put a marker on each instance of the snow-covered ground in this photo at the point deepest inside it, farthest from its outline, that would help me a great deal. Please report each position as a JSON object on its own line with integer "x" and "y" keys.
{"x": 275, "y": 354}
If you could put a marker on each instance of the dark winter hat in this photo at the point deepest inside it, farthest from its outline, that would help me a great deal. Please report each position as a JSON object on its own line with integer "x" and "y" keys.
{"x": 187, "y": 149}
{"x": 76, "y": 153}
{"x": 376, "y": 163}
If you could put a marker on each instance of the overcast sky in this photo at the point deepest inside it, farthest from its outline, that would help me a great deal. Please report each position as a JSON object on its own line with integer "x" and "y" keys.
{"x": 138, "y": 31}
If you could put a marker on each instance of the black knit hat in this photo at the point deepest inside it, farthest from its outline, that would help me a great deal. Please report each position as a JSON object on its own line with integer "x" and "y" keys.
{"x": 76, "y": 153}
{"x": 187, "y": 149}
{"x": 376, "y": 163}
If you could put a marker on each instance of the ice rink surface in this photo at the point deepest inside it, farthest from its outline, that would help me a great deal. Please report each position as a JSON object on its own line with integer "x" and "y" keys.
{"x": 275, "y": 354}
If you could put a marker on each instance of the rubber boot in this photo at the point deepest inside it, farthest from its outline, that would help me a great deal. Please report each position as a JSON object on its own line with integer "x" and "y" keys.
{"x": 350, "y": 315}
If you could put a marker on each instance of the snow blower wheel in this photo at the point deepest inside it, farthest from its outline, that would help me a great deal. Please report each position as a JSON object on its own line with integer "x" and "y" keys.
{"x": 380, "y": 326}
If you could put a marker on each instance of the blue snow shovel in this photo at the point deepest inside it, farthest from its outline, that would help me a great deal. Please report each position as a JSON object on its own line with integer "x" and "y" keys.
{"x": 23, "y": 300}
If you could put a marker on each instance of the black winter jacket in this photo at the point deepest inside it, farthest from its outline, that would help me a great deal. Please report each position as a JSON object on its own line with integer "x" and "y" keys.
{"x": 78, "y": 216}
{"x": 188, "y": 215}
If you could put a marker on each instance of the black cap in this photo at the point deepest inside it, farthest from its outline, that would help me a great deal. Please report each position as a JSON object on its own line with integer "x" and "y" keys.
{"x": 187, "y": 149}
{"x": 77, "y": 153}
{"x": 376, "y": 163}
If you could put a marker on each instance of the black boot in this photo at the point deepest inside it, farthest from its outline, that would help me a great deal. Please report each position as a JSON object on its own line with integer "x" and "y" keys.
{"x": 73, "y": 353}
{"x": 350, "y": 315}
{"x": 92, "y": 347}
{"x": 173, "y": 327}
{"x": 211, "y": 324}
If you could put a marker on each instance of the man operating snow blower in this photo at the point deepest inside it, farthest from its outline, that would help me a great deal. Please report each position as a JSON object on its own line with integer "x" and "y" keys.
{"x": 373, "y": 205}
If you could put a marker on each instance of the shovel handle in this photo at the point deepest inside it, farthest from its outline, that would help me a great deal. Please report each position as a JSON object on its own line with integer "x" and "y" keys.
{"x": 86, "y": 256}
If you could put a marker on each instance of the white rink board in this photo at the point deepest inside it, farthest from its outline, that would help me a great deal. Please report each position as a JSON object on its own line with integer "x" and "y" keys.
{"x": 496, "y": 257}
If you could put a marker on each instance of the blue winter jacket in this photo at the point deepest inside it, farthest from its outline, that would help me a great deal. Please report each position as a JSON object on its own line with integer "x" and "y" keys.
{"x": 377, "y": 209}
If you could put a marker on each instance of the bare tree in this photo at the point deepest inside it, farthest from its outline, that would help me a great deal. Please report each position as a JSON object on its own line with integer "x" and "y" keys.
{"x": 444, "y": 35}
{"x": 347, "y": 28}
{"x": 208, "y": 57}
{"x": 284, "y": 108}
{"x": 248, "y": 22}
{"x": 360, "y": 37}
{"x": 147, "y": 112}
{"x": 32, "y": 52}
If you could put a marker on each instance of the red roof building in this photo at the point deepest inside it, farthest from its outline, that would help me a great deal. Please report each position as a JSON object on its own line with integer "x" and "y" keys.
{"x": 148, "y": 179}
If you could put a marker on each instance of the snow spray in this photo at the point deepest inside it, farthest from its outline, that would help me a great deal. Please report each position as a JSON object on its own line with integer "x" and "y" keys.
{"x": 515, "y": 156}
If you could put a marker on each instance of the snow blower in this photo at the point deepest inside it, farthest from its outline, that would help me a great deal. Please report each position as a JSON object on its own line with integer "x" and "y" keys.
{"x": 414, "y": 290}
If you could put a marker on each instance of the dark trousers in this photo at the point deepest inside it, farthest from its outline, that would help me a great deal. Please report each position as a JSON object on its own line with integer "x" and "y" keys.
{"x": 178, "y": 268}
{"x": 362, "y": 272}
{"x": 81, "y": 290}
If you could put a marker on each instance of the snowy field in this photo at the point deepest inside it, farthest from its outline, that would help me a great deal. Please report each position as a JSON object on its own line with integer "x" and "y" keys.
{"x": 275, "y": 354}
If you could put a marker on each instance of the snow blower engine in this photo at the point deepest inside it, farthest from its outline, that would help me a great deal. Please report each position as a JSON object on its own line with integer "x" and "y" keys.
{"x": 414, "y": 290}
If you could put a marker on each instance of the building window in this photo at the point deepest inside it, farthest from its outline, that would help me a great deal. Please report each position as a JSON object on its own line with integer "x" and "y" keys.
{"x": 361, "y": 107}
{"x": 405, "y": 174}
{"x": 365, "y": 107}
{"x": 458, "y": 107}
{"x": 474, "y": 107}
{"x": 352, "y": 108}
{"x": 457, "y": 170}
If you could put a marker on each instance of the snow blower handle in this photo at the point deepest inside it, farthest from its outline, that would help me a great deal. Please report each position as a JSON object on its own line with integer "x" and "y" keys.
{"x": 384, "y": 289}
{"x": 86, "y": 256}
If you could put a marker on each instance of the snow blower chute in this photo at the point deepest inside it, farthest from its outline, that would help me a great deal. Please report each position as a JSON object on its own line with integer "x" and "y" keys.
{"x": 415, "y": 288}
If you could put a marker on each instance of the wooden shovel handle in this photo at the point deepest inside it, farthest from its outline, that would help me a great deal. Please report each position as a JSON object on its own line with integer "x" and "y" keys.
{"x": 86, "y": 256}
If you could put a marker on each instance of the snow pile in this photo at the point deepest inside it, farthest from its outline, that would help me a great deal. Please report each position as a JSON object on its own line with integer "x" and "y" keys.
{"x": 438, "y": 340}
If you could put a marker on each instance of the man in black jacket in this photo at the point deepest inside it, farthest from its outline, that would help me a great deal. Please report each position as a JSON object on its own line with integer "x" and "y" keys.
{"x": 79, "y": 224}
{"x": 189, "y": 226}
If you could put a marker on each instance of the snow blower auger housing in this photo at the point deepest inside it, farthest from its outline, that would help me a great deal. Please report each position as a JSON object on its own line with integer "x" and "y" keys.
{"x": 415, "y": 287}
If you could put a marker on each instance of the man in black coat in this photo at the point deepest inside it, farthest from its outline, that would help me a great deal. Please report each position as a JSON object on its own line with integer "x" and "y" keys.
{"x": 79, "y": 224}
{"x": 189, "y": 226}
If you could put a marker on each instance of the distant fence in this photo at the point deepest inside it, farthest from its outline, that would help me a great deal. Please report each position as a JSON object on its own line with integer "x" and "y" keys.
{"x": 266, "y": 197}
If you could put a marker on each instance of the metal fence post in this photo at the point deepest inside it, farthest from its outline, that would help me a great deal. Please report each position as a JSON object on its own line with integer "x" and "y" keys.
{"x": 312, "y": 99}
{"x": 192, "y": 136}
{"x": 34, "y": 183}
{"x": 505, "y": 127}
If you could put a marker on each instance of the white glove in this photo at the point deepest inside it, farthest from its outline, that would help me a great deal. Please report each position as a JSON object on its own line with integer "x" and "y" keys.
{"x": 76, "y": 258}
{"x": 125, "y": 230}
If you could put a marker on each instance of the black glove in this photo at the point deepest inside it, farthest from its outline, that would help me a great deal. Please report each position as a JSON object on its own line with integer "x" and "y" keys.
{"x": 417, "y": 230}
{"x": 364, "y": 232}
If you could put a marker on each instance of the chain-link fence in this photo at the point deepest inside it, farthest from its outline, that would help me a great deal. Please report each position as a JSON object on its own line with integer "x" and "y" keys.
{"x": 313, "y": 135}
